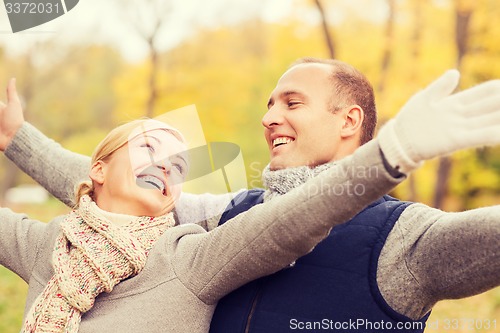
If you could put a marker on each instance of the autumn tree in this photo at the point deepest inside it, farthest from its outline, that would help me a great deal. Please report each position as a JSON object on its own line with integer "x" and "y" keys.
{"x": 149, "y": 18}
{"x": 25, "y": 74}
{"x": 388, "y": 45}
{"x": 330, "y": 42}
{"x": 415, "y": 47}
{"x": 463, "y": 13}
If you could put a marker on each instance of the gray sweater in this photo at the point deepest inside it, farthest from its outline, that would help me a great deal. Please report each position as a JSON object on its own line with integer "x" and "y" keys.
{"x": 429, "y": 256}
{"x": 190, "y": 269}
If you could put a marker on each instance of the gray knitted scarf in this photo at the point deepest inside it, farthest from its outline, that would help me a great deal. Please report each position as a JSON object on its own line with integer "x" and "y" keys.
{"x": 279, "y": 182}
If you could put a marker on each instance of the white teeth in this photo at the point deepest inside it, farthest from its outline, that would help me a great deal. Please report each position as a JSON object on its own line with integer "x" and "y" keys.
{"x": 154, "y": 181}
{"x": 281, "y": 141}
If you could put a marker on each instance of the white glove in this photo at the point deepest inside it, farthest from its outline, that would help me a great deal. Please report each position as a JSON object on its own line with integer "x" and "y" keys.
{"x": 434, "y": 123}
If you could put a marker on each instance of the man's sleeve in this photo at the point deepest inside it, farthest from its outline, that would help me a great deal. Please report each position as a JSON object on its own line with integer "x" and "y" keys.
{"x": 431, "y": 255}
{"x": 55, "y": 168}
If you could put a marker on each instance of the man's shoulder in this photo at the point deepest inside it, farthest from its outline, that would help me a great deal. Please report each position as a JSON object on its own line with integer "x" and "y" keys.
{"x": 384, "y": 211}
{"x": 388, "y": 202}
{"x": 242, "y": 202}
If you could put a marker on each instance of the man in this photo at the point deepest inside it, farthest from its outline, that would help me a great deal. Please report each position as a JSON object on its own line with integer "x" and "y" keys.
{"x": 388, "y": 266}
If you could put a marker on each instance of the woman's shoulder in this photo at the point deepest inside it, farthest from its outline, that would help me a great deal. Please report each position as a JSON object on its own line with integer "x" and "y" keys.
{"x": 195, "y": 208}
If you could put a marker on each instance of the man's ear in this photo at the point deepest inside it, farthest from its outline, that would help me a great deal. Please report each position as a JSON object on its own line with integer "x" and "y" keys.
{"x": 353, "y": 120}
{"x": 97, "y": 172}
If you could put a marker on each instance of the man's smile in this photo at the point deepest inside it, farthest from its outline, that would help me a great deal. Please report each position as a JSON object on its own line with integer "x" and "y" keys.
{"x": 282, "y": 141}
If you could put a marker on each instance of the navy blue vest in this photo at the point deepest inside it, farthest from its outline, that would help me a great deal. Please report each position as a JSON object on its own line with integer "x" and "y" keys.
{"x": 333, "y": 288}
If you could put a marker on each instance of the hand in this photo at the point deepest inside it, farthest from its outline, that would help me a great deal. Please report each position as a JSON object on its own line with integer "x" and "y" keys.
{"x": 435, "y": 123}
{"x": 11, "y": 115}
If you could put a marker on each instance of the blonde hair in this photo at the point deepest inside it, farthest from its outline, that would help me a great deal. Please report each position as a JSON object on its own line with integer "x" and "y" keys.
{"x": 116, "y": 138}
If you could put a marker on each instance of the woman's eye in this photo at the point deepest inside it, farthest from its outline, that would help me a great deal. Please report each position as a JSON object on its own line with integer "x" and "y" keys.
{"x": 179, "y": 167}
{"x": 149, "y": 147}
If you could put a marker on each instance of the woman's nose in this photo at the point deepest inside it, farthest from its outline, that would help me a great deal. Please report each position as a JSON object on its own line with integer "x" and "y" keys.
{"x": 165, "y": 165}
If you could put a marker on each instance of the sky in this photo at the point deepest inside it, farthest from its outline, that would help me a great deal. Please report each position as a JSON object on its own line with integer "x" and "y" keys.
{"x": 109, "y": 22}
{"x": 98, "y": 21}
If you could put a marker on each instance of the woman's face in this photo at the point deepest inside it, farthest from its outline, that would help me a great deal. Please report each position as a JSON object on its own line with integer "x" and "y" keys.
{"x": 144, "y": 177}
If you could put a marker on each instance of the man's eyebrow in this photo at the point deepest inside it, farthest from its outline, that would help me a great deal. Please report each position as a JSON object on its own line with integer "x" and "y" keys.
{"x": 286, "y": 93}
{"x": 290, "y": 93}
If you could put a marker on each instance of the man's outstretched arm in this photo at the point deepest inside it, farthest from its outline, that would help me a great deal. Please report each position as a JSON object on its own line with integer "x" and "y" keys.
{"x": 432, "y": 255}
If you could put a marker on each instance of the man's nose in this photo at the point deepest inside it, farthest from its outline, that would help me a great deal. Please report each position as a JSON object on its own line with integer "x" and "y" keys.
{"x": 273, "y": 117}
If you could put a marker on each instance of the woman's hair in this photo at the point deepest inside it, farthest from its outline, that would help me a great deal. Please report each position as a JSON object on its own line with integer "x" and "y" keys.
{"x": 115, "y": 139}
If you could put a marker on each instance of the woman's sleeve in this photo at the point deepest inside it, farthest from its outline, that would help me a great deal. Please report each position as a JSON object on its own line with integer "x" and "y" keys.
{"x": 20, "y": 238}
{"x": 270, "y": 236}
{"x": 203, "y": 209}
{"x": 57, "y": 169}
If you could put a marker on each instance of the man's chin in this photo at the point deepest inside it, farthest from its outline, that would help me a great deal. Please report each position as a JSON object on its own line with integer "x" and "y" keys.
{"x": 279, "y": 164}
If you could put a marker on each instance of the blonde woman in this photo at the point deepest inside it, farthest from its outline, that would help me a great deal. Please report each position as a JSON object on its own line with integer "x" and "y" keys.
{"x": 119, "y": 263}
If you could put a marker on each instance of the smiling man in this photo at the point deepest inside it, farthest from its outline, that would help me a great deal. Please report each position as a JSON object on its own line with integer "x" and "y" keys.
{"x": 308, "y": 125}
{"x": 385, "y": 268}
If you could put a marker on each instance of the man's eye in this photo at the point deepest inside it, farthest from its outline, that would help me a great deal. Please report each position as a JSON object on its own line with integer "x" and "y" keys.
{"x": 292, "y": 104}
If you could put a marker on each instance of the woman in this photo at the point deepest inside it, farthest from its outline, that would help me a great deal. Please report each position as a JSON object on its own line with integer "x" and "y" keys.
{"x": 119, "y": 263}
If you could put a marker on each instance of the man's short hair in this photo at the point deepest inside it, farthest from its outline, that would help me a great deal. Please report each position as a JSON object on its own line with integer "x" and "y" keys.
{"x": 350, "y": 86}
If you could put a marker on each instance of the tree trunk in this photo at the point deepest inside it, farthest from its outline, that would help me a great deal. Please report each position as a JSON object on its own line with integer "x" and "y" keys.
{"x": 152, "y": 82}
{"x": 25, "y": 87}
{"x": 148, "y": 17}
{"x": 387, "y": 55}
{"x": 330, "y": 43}
{"x": 463, "y": 15}
{"x": 416, "y": 39}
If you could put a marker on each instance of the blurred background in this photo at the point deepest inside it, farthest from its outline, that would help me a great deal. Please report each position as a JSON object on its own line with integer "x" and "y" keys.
{"x": 104, "y": 63}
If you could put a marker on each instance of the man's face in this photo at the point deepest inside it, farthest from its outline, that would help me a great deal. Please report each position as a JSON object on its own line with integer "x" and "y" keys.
{"x": 300, "y": 129}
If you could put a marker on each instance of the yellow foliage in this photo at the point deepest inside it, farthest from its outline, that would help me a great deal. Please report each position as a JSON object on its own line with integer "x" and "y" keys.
{"x": 229, "y": 72}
